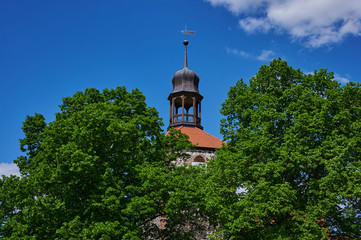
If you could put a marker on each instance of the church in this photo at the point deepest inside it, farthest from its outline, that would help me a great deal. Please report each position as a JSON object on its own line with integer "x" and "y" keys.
{"x": 185, "y": 114}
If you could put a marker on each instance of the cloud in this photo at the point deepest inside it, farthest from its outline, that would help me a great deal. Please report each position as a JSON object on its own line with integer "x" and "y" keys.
{"x": 237, "y": 52}
{"x": 255, "y": 24}
{"x": 336, "y": 77}
{"x": 266, "y": 55}
{"x": 316, "y": 22}
{"x": 340, "y": 79}
{"x": 8, "y": 169}
{"x": 236, "y": 6}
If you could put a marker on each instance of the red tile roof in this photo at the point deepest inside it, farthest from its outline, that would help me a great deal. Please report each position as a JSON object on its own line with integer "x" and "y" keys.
{"x": 200, "y": 138}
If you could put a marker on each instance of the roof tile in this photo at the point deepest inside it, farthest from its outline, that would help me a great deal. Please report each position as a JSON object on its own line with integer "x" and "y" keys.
{"x": 200, "y": 138}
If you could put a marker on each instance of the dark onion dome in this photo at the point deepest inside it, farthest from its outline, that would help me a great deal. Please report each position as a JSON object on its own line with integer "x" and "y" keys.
{"x": 185, "y": 80}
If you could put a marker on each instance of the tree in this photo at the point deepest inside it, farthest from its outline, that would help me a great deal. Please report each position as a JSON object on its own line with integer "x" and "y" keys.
{"x": 101, "y": 170}
{"x": 292, "y": 165}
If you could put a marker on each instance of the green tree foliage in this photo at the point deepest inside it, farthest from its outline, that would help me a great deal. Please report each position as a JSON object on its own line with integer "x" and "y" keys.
{"x": 101, "y": 170}
{"x": 292, "y": 166}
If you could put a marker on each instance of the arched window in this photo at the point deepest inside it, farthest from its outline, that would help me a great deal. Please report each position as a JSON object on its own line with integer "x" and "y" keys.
{"x": 198, "y": 160}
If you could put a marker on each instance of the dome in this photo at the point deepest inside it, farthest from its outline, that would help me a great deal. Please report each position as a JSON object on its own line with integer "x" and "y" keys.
{"x": 185, "y": 80}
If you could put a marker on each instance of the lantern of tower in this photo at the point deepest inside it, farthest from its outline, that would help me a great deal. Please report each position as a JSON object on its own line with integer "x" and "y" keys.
{"x": 185, "y": 99}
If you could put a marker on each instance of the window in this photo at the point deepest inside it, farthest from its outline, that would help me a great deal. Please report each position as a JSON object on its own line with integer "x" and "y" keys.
{"x": 198, "y": 160}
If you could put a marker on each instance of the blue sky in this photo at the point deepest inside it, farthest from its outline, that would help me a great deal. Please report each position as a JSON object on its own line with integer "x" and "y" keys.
{"x": 51, "y": 49}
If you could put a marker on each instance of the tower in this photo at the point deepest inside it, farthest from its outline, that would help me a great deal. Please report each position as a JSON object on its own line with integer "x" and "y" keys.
{"x": 185, "y": 99}
{"x": 185, "y": 113}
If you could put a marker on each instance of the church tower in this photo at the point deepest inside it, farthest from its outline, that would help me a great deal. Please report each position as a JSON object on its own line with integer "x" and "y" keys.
{"x": 185, "y": 113}
{"x": 185, "y": 99}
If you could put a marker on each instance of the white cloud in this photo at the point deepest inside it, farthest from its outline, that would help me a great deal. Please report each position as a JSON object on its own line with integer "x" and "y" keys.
{"x": 340, "y": 79}
{"x": 317, "y": 22}
{"x": 237, "y": 52}
{"x": 236, "y": 6}
{"x": 255, "y": 24}
{"x": 308, "y": 73}
{"x": 336, "y": 77}
{"x": 8, "y": 169}
{"x": 266, "y": 55}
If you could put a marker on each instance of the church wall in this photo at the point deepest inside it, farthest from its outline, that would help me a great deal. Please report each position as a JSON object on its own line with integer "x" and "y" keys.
{"x": 193, "y": 156}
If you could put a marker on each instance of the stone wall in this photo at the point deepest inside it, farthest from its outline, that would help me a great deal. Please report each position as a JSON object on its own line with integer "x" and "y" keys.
{"x": 195, "y": 156}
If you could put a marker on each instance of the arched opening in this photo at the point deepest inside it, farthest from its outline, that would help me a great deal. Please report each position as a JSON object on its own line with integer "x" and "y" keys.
{"x": 188, "y": 106}
{"x": 177, "y": 111}
{"x": 198, "y": 160}
{"x": 189, "y": 114}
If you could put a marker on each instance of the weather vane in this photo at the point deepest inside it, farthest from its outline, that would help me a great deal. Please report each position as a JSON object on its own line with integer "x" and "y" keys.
{"x": 185, "y": 42}
{"x": 187, "y": 32}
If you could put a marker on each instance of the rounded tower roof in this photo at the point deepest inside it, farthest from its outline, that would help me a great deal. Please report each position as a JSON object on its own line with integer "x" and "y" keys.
{"x": 185, "y": 80}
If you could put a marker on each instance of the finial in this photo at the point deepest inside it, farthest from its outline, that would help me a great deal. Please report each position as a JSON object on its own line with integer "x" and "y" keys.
{"x": 185, "y": 42}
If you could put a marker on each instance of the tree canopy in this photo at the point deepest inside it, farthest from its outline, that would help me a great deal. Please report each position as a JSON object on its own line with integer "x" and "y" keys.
{"x": 291, "y": 168}
{"x": 101, "y": 170}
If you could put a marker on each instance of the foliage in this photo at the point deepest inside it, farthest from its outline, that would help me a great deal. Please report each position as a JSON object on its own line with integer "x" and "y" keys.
{"x": 101, "y": 170}
{"x": 291, "y": 169}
